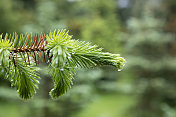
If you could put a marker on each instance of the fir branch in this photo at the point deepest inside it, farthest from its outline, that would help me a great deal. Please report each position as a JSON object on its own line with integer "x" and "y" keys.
{"x": 18, "y": 53}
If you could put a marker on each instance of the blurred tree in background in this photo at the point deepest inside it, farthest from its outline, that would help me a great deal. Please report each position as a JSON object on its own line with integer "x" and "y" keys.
{"x": 102, "y": 25}
{"x": 151, "y": 60}
{"x": 9, "y": 16}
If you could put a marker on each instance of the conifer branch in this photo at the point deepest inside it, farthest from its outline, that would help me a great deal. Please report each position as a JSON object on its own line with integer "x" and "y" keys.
{"x": 19, "y": 53}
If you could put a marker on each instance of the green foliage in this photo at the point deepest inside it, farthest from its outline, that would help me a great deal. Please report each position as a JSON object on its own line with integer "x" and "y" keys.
{"x": 20, "y": 74}
{"x": 24, "y": 78}
{"x": 4, "y": 54}
{"x": 69, "y": 54}
{"x": 65, "y": 56}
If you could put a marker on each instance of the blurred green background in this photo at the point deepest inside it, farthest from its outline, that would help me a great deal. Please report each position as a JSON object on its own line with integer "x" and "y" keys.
{"x": 142, "y": 31}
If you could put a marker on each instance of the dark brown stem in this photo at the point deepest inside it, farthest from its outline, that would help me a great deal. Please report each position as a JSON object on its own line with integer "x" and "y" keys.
{"x": 36, "y": 48}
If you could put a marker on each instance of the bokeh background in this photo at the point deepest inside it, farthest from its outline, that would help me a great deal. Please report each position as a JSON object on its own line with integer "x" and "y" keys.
{"x": 142, "y": 31}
